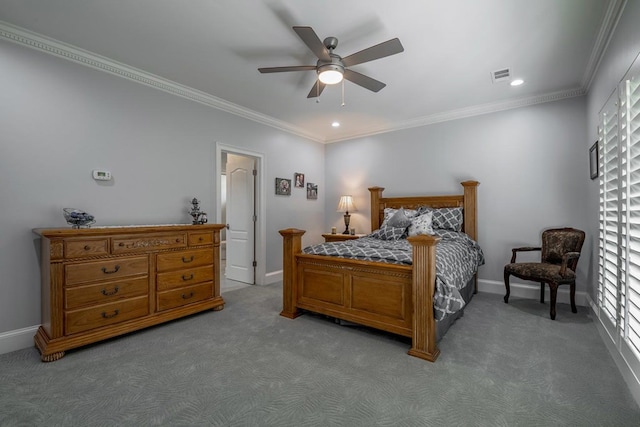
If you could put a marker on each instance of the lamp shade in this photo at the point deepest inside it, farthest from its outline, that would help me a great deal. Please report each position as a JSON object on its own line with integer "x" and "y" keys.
{"x": 346, "y": 204}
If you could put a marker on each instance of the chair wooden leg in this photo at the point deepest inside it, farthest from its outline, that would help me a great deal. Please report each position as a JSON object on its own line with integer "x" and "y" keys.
{"x": 506, "y": 285}
{"x": 573, "y": 298}
{"x": 554, "y": 292}
{"x": 542, "y": 292}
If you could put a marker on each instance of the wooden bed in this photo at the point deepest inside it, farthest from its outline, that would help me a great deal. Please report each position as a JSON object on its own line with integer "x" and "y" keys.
{"x": 390, "y": 297}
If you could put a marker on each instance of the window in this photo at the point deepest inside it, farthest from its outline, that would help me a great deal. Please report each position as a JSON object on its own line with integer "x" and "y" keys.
{"x": 618, "y": 296}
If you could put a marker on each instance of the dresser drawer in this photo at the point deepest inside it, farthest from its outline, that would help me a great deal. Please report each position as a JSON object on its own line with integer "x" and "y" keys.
{"x": 189, "y": 276}
{"x": 184, "y": 259}
{"x": 200, "y": 238}
{"x": 106, "y": 314}
{"x": 105, "y": 270}
{"x": 126, "y": 244}
{"x": 85, "y": 248}
{"x": 82, "y": 296}
{"x": 184, "y": 296}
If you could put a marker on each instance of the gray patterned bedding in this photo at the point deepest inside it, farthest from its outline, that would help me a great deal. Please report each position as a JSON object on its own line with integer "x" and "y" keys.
{"x": 457, "y": 259}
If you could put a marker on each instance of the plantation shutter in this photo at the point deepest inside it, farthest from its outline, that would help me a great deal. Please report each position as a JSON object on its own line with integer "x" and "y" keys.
{"x": 630, "y": 138}
{"x": 609, "y": 212}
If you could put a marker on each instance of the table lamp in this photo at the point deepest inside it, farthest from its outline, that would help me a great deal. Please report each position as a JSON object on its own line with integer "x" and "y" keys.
{"x": 345, "y": 205}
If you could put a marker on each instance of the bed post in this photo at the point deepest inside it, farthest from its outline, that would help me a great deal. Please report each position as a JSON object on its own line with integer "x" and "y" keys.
{"x": 471, "y": 217}
{"x": 423, "y": 338}
{"x": 376, "y": 195}
{"x": 470, "y": 208}
{"x": 292, "y": 245}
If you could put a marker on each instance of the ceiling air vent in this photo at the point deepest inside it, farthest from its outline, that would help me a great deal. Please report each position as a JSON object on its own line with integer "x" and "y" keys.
{"x": 500, "y": 75}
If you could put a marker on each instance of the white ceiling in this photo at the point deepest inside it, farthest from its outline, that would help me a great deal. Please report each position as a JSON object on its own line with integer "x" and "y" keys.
{"x": 451, "y": 47}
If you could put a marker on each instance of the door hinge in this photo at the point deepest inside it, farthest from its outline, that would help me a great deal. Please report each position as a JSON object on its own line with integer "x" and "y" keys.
{"x": 254, "y": 218}
{"x": 255, "y": 172}
{"x": 255, "y": 263}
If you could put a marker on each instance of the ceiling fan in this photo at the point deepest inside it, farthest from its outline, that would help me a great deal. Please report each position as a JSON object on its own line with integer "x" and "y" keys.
{"x": 332, "y": 68}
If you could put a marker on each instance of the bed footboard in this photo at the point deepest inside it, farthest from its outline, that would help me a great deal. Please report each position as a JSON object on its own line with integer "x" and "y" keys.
{"x": 390, "y": 297}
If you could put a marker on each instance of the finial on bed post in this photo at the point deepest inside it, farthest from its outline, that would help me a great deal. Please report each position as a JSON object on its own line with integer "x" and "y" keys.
{"x": 423, "y": 331}
{"x": 292, "y": 245}
{"x": 376, "y": 195}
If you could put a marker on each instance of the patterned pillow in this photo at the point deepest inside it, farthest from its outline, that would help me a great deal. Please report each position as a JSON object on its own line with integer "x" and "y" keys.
{"x": 389, "y": 233}
{"x": 389, "y": 212}
{"x": 421, "y": 224}
{"x": 444, "y": 218}
{"x": 399, "y": 219}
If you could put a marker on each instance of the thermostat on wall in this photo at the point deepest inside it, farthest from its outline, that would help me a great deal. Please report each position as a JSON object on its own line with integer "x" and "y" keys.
{"x": 101, "y": 175}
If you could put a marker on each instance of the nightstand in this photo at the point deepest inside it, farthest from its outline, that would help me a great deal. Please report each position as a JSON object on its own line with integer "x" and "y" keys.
{"x": 328, "y": 237}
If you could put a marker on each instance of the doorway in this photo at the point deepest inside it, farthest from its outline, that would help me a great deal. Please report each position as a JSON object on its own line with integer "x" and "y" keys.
{"x": 240, "y": 208}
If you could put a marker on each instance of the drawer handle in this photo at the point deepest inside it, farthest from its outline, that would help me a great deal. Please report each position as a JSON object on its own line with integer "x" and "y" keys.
{"x": 87, "y": 247}
{"x": 105, "y": 271}
{"x": 109, "y": 293}
{"x": 185, "y": 277}
{"x": 199, "y": 239}
{"x": 178, "y": 240}
{"x": 187, "y": 260}
{"x": 121, "y": 244}
{"x": 109, "y": 316}
{"x": 185, "y": 296}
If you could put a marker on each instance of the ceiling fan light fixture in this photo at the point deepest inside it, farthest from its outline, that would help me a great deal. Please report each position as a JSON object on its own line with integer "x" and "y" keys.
{"x": 330, "y": 74}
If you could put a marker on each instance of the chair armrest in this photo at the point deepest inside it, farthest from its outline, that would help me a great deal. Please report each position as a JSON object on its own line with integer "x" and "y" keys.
{"x": 523, "y": 249}
{"x": 565, "y": 261}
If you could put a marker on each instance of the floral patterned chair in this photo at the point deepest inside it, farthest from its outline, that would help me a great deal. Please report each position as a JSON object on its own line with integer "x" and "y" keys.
{"x": 560, "y": 252}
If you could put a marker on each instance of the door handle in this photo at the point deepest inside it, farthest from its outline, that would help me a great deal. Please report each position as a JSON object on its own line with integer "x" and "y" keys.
{"x": 227, "y": 226}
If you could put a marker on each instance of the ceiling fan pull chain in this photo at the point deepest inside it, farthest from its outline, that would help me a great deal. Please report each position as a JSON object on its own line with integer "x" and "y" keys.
{"x": 318, "y": 91}
{"x": 342, "y": 93}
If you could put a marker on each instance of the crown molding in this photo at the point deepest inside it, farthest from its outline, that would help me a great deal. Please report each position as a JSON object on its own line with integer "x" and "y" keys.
{"x": 609, "y": 24}
{"x": 45, "y": 44}
{"x": 466, "y": 112}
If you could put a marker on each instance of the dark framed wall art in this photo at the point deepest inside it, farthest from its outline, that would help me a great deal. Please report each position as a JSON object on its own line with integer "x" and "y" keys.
{"x": 283, "y": 187}
{"x": 593, "y": 160}
{"x": 312, "y": 191}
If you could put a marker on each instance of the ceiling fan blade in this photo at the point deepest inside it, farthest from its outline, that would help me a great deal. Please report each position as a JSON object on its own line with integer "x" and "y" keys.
{"x": 388, "y": 48}
{"x": 310, "y": 38}
{"x": 364, "y": 81}
{"x": 283, "y": 69}
{"x": 315, "y": 90}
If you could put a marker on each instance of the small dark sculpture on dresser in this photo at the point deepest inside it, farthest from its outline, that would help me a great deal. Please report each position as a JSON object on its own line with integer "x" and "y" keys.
{"x": 199, "y": 217}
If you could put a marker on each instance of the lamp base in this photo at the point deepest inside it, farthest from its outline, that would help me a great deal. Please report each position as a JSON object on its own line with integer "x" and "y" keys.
{"x": 347, "y": 219}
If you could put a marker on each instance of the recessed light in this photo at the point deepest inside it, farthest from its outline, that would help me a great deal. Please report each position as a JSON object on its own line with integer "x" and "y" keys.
{"x": 517, "y": 82}
{"x": 335, "y": 124}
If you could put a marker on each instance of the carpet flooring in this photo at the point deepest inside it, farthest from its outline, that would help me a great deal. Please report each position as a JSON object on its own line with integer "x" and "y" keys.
{"x": 500, "y": 365}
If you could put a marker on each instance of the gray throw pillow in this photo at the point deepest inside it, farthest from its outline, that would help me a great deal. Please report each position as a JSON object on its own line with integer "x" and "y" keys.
{"x": 399, "y": 220}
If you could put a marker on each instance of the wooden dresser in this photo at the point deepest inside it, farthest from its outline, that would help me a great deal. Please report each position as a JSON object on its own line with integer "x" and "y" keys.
{"x": 101, "y": 282}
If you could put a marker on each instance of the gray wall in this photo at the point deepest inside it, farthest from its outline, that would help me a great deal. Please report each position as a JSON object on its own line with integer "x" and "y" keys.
{"x": 622, "y": 50}
{"x": 531, "y": 164}
{"x": 60, "y": 120}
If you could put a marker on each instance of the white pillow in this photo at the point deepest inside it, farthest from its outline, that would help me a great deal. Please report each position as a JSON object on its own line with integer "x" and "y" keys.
{"x": 421, "y": 224}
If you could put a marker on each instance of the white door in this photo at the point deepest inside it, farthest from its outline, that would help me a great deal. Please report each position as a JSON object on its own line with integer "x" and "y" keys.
{"x": 240, "y": 219}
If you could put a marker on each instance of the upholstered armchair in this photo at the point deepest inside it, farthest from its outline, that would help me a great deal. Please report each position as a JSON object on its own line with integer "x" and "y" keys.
{"x": 560, "y": 253}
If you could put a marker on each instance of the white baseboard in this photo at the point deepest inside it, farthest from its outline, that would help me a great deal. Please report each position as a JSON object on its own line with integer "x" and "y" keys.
{"x": 623, "y": 366}
{"x": 273, "y": 277}
{"x": 530, "y": 291}
{"x": 17, "y": 340}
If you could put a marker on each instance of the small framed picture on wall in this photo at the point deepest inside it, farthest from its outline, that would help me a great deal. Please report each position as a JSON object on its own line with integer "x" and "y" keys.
{"x": 312, "y": 191}
{"x": 593, "y": 160}
{"x": 298, "y": 179}
{"x": 283, "y": 187}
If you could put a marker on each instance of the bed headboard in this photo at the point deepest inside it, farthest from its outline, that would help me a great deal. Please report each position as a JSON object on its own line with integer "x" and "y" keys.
{"x": 467, "y": 201}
